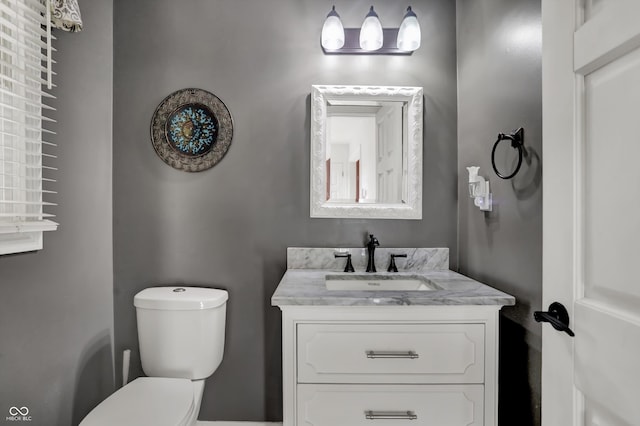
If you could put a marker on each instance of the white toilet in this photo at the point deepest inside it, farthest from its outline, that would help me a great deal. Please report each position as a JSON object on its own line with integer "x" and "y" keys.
{"x": 181, "y": 336}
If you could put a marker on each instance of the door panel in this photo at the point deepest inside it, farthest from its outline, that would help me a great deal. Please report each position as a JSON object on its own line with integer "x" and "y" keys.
{"x": 597, "y": 414}
{"x": 610, "y": 30}
{"x": 607, "y": 317}
{"x": 389, "y": 155}
{"x": 606, "y": 360}
{"x": 612, "y": 183}
{"x": 591, "y": 210}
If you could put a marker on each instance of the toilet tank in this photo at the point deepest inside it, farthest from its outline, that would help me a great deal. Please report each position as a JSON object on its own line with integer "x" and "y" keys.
{"x": 181, "y": 330}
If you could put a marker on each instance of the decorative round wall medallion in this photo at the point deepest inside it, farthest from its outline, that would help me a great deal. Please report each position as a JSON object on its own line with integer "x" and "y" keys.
{"x": 191, "y": 130}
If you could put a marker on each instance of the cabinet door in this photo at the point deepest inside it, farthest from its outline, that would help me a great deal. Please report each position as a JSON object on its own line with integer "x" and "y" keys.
{"x": 390, "y": 353}
{"x": 415, "y": 405}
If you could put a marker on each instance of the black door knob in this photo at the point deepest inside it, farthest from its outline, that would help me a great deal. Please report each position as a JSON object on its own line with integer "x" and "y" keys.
{"x": 557, "y": 316}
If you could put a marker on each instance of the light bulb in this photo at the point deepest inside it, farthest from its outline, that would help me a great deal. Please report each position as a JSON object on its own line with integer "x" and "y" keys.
{"x": 409, "y": 35}
{"x": 332, "y": 31}
{"x": 371, "y": 32}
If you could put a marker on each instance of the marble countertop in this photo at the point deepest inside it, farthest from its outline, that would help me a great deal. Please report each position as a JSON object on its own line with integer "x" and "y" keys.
{"x": 307, "y": 287}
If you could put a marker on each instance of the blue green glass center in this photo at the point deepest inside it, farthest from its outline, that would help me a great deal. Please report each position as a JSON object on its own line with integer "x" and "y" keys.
{"x": 192, "y": 129}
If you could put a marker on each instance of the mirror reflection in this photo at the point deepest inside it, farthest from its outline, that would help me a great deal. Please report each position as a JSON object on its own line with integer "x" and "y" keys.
{"x": 366, "y": 152}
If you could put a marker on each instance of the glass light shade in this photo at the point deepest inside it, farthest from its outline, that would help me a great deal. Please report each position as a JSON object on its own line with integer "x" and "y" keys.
{"x": 332, "y": 31}
{"x": 371, "y": 32}
{"x": 409, "y": 34}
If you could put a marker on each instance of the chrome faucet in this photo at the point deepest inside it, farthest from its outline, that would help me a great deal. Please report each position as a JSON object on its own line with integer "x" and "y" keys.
{"x": 371, "y": 249}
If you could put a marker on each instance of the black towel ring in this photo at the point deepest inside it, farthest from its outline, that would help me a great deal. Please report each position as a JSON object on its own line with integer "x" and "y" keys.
{"x": 517, "y": 141}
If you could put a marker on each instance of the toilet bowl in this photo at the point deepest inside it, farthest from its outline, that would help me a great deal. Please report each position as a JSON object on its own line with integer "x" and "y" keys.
{"x": 181, "y": 336}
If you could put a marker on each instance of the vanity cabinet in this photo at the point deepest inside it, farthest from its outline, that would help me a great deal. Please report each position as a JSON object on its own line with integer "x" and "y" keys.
{"x": 351, "y": 365}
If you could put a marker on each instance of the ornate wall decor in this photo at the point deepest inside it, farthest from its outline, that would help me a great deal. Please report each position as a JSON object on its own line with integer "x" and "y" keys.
{"x": 191, "y": 130}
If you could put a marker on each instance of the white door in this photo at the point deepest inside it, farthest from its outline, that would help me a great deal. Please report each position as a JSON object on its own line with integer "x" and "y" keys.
{"x": 338, "y": 181}
{"x": 389, "y": 154}
{"x": 591, "y": 211}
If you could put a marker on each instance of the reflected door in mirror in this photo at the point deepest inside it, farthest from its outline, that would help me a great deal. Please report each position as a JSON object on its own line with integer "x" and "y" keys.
{"x": 365, "y": 152}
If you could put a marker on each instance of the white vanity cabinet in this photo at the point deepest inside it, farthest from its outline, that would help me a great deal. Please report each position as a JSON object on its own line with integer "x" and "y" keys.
{"x": 390, "y": 365}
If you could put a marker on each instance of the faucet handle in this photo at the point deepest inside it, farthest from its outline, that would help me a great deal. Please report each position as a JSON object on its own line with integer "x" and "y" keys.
{"x": 349, "y": 266}
{"x": 392, "y": 265}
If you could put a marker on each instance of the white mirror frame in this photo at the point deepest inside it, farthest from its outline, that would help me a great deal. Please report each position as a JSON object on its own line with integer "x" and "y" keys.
{"x": 320, "y": 96}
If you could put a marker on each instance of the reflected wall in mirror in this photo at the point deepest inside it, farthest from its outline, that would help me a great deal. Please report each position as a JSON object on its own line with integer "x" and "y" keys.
{"x": 366, "y": 152}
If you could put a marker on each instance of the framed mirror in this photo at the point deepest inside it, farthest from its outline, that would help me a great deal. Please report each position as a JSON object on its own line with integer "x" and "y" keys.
{"x": 366, "y": 152}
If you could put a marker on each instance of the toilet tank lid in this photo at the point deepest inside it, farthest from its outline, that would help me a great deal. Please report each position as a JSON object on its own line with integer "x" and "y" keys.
{"x": 180, "y": 298}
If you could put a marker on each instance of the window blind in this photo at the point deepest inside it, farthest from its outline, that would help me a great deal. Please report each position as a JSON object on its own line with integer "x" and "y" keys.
{"x": 26, "y": 156}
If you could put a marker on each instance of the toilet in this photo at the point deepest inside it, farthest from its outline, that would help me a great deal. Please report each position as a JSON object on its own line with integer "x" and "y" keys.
{"x": 181, "y": 335}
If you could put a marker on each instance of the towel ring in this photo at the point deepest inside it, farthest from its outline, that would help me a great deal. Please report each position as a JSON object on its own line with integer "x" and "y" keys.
{"x": 517, "y": 142}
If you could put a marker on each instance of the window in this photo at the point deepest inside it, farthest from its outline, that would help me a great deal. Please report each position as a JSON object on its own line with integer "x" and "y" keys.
{"x": 25, "y": 177}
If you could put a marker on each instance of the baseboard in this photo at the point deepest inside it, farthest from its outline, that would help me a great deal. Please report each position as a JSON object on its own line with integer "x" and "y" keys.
{"x": 201, "y": 423}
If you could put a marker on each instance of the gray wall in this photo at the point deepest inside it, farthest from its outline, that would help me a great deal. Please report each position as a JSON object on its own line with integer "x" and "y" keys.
{"x": 229, "y": 227}
{"x": 499, "y": 89}
{"x": 56, "y": 308}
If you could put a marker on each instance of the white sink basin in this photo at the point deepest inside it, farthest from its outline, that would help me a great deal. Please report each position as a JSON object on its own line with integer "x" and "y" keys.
{"x": 378, "y": 283}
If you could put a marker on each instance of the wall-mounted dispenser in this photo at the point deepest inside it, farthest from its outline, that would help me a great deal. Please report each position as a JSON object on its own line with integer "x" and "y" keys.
{"x": 479, "y": 189}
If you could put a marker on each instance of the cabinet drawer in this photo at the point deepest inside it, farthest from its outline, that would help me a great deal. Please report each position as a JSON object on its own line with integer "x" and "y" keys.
{"x": 390, "y": 353}
{"x": 353, "y": 405}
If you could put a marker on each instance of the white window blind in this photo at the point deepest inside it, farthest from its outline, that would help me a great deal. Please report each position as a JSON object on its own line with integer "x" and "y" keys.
{"x": 26, "y": 172}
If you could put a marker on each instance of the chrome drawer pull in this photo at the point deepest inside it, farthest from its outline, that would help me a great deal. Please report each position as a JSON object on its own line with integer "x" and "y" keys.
{"x": 387, "y": 415}
{"x": 392, "y": 354}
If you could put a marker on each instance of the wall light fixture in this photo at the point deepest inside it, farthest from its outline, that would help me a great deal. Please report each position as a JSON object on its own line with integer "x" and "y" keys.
{"x": 371, "y": 38}
{"x": 371, "y": 32}
{"x": 409, "y": 34}
{"x": 332, "y": 31}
